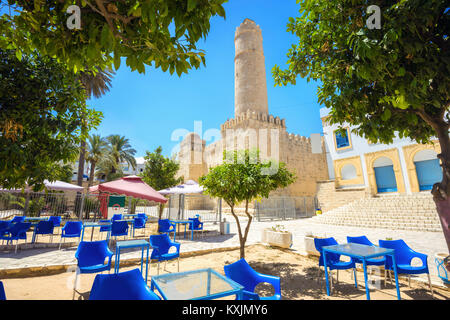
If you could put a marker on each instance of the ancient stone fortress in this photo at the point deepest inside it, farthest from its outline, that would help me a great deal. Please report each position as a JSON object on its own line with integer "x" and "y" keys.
{"x": 253, "y": 126}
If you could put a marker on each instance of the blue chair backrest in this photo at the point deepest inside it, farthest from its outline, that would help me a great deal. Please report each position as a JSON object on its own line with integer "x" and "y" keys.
{"x": 73, "y": 227}
{"x": 139, "y": 222}
{"x": 142, "y": 215}
{"x": 44, "y": 227}
{"x": 164, "y": 225}
{"x": 105, "y": 228}
{"x": 128, "y": 285}
{"x": 319, "y": 243}
{"x": 360, "y": 240}
{"x": 2, "y": 292}
{"x": 92, "y": 253}
{"x": 117, "y": 216}
{"x": 19, "y": 229}
{"x": 56, "y": 220}
{"x": 18, "y": 219}
{"x": 403, "y": 253}
{"x": 119, "y": 227}
{"x": 162, "y": 241}
{"x": 241, "y": 272}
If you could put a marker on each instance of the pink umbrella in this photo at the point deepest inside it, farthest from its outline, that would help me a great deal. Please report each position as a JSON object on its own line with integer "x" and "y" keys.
{"x": 130, "y": 186}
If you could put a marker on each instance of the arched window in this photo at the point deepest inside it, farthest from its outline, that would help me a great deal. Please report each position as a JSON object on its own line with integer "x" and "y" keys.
{"x": 384, "y": 175}
{"x": 428, "y": 169}
{"x": 348, "y": 172}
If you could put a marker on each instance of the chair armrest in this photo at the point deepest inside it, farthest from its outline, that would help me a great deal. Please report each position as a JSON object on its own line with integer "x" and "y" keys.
{"x": 273, "y": 280}
{"x": 421, "y": 256}
{"x": 176, "y": 245}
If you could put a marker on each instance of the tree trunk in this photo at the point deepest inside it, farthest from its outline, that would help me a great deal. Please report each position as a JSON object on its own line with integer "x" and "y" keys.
{"x": 81, "y": 163}
{"x": 441, "y": 190}
{"x": 91, "y": 174}
{"x": 241, "y": 238}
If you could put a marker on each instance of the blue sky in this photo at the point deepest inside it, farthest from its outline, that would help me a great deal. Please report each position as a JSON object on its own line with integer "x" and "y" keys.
{"x": 148, "y": 108}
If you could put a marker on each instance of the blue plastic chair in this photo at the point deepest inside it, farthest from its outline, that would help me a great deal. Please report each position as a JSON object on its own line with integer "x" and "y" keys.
{"x": 198, "y": 226}
{"x": 143, "y": 216}
{"x": 18, "y": 219}
{"x": 91, "y": 258}
{"x": 56, "y": 221}
{"x": 44, "y": 227}
{"x": 105, "y": 228}
{"x": 241, "y": 272}
{"x": 2, "y": 292}
{"x": 164, "y": 226}
{"x": 128, "y": 285}
{"x": 138, "y": 223}
{"x": 161, "y": 244}
{"x": 119, "y": 228}
{"x": 16, "y": 231}
{"x": 333, "y": 260}
{"x": 403, "y": 257}
{"x": 117, "y": 217}
{"x": 72, "y": 229}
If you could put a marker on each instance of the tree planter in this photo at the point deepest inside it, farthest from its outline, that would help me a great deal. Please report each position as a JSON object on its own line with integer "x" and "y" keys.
{"x": 277, "y": 238}
{"x": 310, "y": 248}
{"x": 443, "y": 273}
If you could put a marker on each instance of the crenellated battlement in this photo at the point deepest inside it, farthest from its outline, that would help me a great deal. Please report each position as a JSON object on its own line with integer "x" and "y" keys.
{"x": 253, "y": 115}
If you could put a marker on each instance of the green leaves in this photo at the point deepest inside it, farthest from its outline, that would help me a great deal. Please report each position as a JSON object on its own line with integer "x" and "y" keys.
{"x": 139, "y": 31}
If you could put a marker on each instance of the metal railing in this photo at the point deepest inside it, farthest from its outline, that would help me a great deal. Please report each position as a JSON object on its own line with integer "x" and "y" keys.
{"x": 284, "y": 208}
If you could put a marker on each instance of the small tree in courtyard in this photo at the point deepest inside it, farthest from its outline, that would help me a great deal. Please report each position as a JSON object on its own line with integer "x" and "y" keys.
{"x": 243, "y": 180}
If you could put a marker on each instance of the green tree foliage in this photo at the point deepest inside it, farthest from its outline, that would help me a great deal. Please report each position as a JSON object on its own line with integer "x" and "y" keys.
{"x": 160, "y": 172}
{"x": 41, "y": 105}
{"x": 383, "y": 82}
{"x": 243, "y": 179}
{"x": 161, "y": 33}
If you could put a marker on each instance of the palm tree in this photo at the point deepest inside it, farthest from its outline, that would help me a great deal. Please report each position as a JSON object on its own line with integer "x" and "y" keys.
{"x": 97, "y": 146}
{"x": 96, "y": 83}
{"x": 121, "y": 151}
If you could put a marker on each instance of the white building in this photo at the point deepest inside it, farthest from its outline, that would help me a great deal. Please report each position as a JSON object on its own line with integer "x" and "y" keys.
{"x": 401, "y": 167}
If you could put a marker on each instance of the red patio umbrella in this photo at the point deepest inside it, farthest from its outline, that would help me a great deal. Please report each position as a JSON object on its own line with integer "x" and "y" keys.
{"x": 130, "y": 186}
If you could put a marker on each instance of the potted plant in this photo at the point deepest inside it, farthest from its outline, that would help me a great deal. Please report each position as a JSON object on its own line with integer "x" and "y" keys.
{"x": 310, "y": 247}
{"x": 277, "y": 236}
{"x": 442, "y": 261}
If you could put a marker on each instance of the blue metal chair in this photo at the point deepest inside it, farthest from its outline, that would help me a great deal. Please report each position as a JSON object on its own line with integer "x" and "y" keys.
{"x": 333, "y": 260}
{"x": 128, "y": 285}
{"x": 164, "y": 226}
{"x": 241, "y": 272}
{"x": 117, "y": 217}
{"x": 91, "y": 258}
{"x": 161, "y": 244}
{"x": 403, "y": 257}
{"x": 119, "y": 228}
{"x": 138, "y": 223}
{"x": 43, "y": 227}
{"x": 18, "y": 219}
{"x": 198, "y": 226}
{"x": 72, "y": 229}
{"x": 2, "y": 292}
{"x": 16, "y": 232}
{"x": 105, "y": 228}
{"x": 56, "y": 221}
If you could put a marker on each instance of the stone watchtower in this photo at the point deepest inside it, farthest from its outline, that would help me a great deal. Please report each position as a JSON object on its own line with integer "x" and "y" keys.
{"x": 249, "y": 70}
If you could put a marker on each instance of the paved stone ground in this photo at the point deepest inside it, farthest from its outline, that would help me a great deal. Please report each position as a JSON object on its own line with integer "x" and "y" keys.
{"x": 425, "y": 242}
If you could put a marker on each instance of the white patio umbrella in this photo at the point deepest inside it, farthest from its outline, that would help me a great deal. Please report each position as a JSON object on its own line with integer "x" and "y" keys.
{"x": 189, "y": 186}
{"x": 55, "y": 185}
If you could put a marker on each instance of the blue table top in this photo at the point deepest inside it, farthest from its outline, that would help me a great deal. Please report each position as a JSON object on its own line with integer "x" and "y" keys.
{"x": 36, "y": 218}
{"x": 181, "y": 221}
{"x": 132, "y": 243}
{"x": 195, "y": 284}
{"x": 357, "y": 250}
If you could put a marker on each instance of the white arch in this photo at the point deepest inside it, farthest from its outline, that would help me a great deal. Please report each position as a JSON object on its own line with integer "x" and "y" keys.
{"x": 382, "y": 162}
{"x": 426, "y": 154}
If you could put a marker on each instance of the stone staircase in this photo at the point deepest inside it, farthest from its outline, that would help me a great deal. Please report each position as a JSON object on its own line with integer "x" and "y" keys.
{"x": 415, "y": 212}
